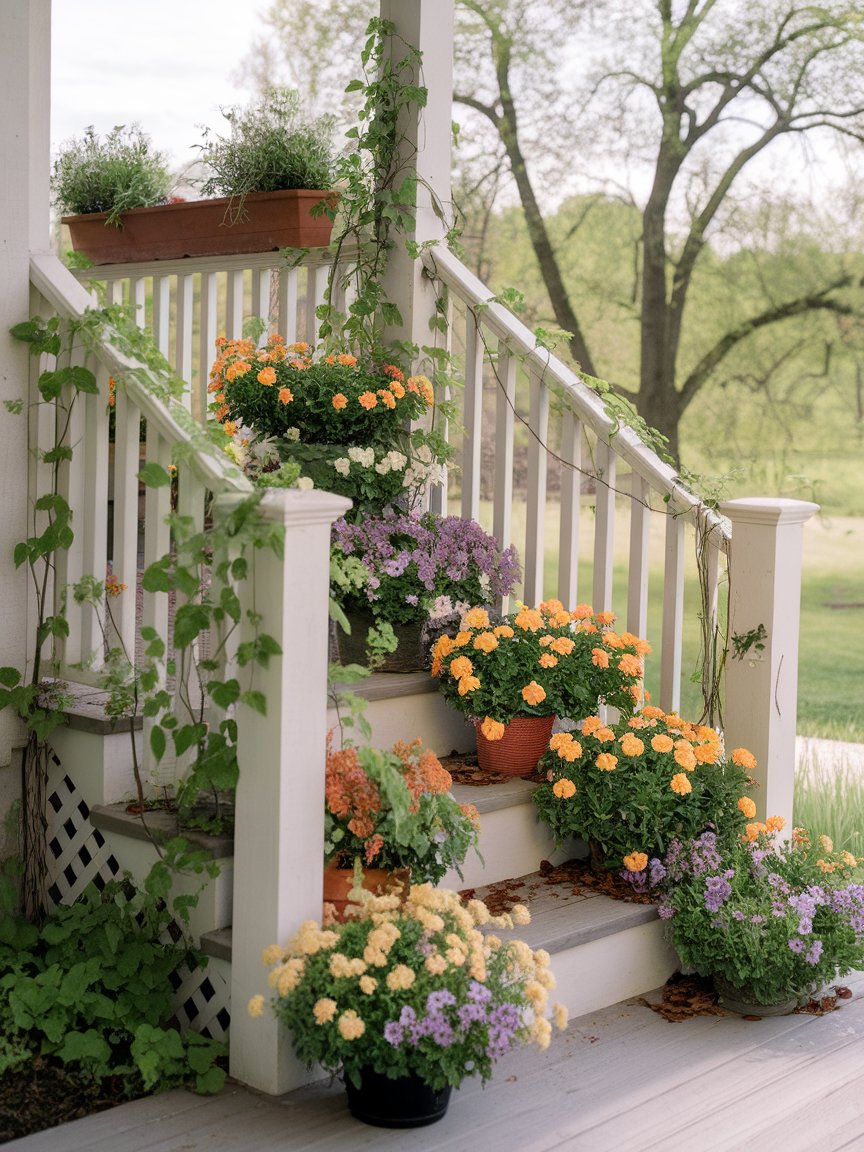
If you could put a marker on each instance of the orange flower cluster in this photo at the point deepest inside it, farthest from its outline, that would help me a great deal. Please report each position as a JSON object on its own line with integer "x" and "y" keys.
{"x": 350, "y": 794}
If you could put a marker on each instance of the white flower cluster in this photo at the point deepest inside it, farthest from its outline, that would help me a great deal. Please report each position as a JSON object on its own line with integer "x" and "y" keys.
{"x": 365, "y": 458}
{"x": 444, "y": 607}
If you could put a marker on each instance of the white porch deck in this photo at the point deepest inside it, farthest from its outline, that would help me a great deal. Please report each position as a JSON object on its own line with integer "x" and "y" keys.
{"x": 617, "y": 1079}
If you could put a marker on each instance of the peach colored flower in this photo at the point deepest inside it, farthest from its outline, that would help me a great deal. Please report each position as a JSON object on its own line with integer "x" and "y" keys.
{"x": 685, "y": 759}
{"x": 285, "y": 395}
{"x": 340, "y": 401}
{"x": 547, "y": 660}
{"x": 267, "y": 376}
{"x": 599, "y": 658}
{"x": 630, "y": 665}
{"x": 636, "y": 862}
{"x": 662, "y": 743}
{"x": 351, "y": 1027}
{"x": 461, "y": 666}
{"x": 529, "y": 620}
{"x": 504, "y": 631}
{"x": 468, "y": 684}
{"x": 563, "y": 645}
{"x": 564, "y": 788}
{"x": 590, "y": 725}
{"x": 492, "y": 729}
{"x": 255, "y": 1007}
{"x": 631, "y": 745}
{"x": 743, "y": 758}
{"x": 476, "y": 618}
{"x": 570, "y": 752}
{"x": 777, "y": 824}
{"x": 368, "y": 400}
{"x": 324, "y": 1010}
{"x": 533, "y": 693}
{"x": 485, "y": 642}
{"x": 680, "y": 784}
{"x": 606, "y": 762}
{"x": 746, "y": 807}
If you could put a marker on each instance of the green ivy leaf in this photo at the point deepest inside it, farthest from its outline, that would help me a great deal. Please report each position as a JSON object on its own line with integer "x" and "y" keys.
{"x": 154, "y": 475}
{"x": 256, "y": 701}
{"x": 157, "y": 742}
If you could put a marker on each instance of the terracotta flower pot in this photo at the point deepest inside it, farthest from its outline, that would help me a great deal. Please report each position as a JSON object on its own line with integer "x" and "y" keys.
{"x": 524, "y": 741}
{"x": 266, "y": 221}
{"x": 338, "y": 882}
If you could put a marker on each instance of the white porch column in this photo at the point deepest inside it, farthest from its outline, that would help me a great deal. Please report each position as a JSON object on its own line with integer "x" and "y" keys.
{"x": 762, "y": 686}
{"x": 428, "y": 26}
{"x": 25, "y": 57}
{"x": 279, "y": 830}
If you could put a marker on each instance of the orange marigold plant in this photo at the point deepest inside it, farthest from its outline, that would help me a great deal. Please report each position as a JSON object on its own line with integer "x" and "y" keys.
{"x": 640, "y": 783}
{"x": 537, "y": 662}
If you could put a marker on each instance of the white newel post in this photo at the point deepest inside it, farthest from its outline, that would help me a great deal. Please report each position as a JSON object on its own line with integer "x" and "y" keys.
{"x": 279, "y": 831}
{"x": 762, "y": 687}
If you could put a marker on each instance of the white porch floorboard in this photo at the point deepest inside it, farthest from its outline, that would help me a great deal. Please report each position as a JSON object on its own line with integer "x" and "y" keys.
{"x": 617, "y": 1079}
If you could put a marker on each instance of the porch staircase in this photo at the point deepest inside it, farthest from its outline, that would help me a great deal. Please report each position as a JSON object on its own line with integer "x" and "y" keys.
{"x": 603, "y": 951}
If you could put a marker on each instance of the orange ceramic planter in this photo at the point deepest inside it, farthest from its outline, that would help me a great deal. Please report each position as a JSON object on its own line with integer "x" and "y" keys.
{"x": 524, "y": 741}
{"x": 338, "y": 882}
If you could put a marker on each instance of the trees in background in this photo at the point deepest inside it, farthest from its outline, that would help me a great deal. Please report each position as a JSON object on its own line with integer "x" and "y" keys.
{"x": 693, "y": 117}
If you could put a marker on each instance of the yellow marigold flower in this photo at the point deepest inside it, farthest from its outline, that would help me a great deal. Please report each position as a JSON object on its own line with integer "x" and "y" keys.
{"x": 461, "y": 639}
{"x": 743, "y": 758}
{"x": 347, "y": 360}
{"x": 401, "y": 978}
{"x": 650, "y": 712}
{"x": 746, "y": 807}
{"x": 504, "y": 631}
{"x": 706, "y": 753}
{"x": 547, "y": 660}
{"x": 570, "y": 752}
{"x": 545, "y": 641}
{"x": 563, "y": 645}
{"x": 368, "y": 984}
{"x": 564, "y": 788}
{"x": 397, "y": 389}
{"x": 636, "y": 861}
{"x": 486, "y": 642}
{"x": 532, "y": 693}
{"x": 637, "y": 722}
{"x": 591, "y": 724}
{"x": 468, "y": 684}
{"x": 827, "y": 843}
{"x": 662, "y": 743}
{"x": 777, "y": 824}
{"x": 272, "y": 954}
{"x": 339, "y": 401}
{"x": 685, "y": 758}
{"x": 560, "y": 1015}
{"x": 256, "y": 1006}
{"x": 324, "y": 1010}
{"x": 435, "y": 964}
{"x": 599, "y": 658}
{"x": 460, "y": 667}
{"x": 387, "y": 398}
{"x": 476, "y": 618}
{"x": 529, "y": 620}
{"x": 631, "y": 745}
{"x": 552, "y": 607}
{"x": 285, "y": 395}
{"x": 606, "y": 762}
{"x": 351, "y": 1027}
{"x": 367, "y": 400}
{"x": 680, "y": 783}
{"x": 492, "y": 729}
{"x": 752, "y": 830}
{"x": 267, "y": 376}
{"x": 604, "y": 734}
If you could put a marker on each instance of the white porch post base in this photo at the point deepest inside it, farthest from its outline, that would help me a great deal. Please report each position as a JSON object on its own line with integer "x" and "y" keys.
{"x": 279, "y": 832}
{"x": 761, "y": 688}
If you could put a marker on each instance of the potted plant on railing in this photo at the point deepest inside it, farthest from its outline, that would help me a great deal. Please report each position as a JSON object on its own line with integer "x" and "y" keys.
{"x": 770, "y": 922}
{"x": 272, "y": 174}
{"x": 345, "y": 421}
{"x": 408, "y": 997}
{"x": 513, "y": 677}
{"x": 422, "y": 574}
{"x": 630, "y": 788}
{"x": 393, "y": 812}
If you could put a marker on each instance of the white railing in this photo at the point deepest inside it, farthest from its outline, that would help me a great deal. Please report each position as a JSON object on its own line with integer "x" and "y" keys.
{"x": 187, "y": 303}
{"x": 588, "y": 480}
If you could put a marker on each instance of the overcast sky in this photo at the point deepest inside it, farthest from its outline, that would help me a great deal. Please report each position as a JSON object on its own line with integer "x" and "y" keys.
{"x": 164, "y": 63}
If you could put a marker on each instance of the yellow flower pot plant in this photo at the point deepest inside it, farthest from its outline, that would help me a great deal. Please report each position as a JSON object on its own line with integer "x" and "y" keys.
{"x": 408, "y": 997}
{"x": 535, "y": 663}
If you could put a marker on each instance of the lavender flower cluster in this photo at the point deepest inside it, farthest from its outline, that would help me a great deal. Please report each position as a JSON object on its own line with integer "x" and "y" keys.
{"x": 412, "y": 560}
{"x": 446, "y": 1023}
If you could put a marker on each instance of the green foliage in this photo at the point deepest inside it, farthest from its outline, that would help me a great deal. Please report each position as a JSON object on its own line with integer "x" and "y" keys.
{"x": 91, "y": 987}
{"x": 272, "y": 145}
{"x": 631, "y": 789}
{"x": 109, "y": 174}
